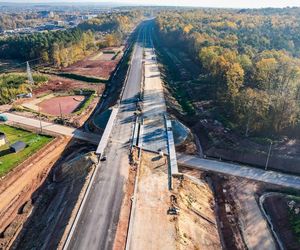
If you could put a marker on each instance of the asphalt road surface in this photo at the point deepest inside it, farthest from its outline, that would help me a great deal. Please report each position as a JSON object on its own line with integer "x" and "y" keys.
{"x": 98, "y": 221}
{"x": 257, "y": 174}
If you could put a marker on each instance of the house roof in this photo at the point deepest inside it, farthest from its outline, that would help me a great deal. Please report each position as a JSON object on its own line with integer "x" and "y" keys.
{"x": 18, "y": 145}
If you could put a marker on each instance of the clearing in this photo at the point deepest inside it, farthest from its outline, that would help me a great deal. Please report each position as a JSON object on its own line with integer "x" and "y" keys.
{"x": 243, "y": 224}
{"x": 63, "y": 105}
{"x": 99, "y": 65}
{"x": 57, "y": 84}
{"x": 10, "y": 160}
{"x": 75, "y": 100}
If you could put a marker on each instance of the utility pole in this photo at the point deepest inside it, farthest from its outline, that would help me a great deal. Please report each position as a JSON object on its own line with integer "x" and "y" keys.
{"x": 29, "y": 75}
{"x": 268, "y": 158}
{"x": 61, "y": 115}
{"x": 41, "y": 126}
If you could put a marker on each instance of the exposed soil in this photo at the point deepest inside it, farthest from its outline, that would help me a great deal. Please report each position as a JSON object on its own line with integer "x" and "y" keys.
{"x": 56, "y": 203}
{"x": 243, "y": 223}
{"x": 50, "y": 106}
{"x": 217, "y": 142}
{"x": 196, "y": 224}
{"x": 277, "y": 208}
{"x": 193, "y": 226}
{"x": 61, "y": 84}
{"x": 226, "y": 209}
{"x": 151, "y": 224}
{"x": 18, "y": 186}
{"x": 64, "y": 105}
{"x": 98, "y": 65}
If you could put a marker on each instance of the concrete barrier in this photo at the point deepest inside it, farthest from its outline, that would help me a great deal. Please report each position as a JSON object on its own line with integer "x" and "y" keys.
{"x": 106, "y": 134}
{"x": 171, "y": 149}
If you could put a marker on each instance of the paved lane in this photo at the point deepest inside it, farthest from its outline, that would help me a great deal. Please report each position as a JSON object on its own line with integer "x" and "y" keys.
{"x": 97, "y": 224}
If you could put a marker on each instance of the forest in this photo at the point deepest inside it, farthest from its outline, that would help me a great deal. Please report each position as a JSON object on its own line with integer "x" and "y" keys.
{"x": 114, "y": 26}
{"x": 62, "y": 48}
{"x": 250, "y": 59}
{"x": 58, "y": 47}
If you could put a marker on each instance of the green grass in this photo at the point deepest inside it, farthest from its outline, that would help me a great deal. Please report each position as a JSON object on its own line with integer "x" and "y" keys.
{"x": 295, "y": 223}
{"x": 87, "y": 101}
{"x": 8, "y": 160}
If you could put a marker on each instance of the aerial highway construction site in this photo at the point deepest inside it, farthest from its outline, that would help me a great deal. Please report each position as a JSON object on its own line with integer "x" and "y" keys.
{"x": 112, "y": 166}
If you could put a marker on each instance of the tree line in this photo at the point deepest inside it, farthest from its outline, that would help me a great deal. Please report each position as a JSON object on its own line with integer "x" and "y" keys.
{"x": 63, "y": 48}
{"x": 111, "y": 29}
{"x": 58, "y": 47}
{"x": 251, "y": 58}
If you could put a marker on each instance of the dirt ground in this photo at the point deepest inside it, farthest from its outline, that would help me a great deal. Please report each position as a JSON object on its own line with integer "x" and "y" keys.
{"x": 152, "y": 228}
{"x": 45, "y": 95}
{"x": 64, "y": 105}
{"x": 196, "y": 223}
{"x": 99, "y": 65}
{"x": 193, "y": 227}
{"x": 17, "y": 187}
{"x": 56, "y": 203}
{"x": 243, "y": 224}
{"x": 277, "y": 208}
{"x": 62, "y": 84}
{"x": 256, "y": 231}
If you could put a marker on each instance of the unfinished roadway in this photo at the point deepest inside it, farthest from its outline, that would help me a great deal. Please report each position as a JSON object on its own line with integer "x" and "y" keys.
{"x": 97, "y": 223}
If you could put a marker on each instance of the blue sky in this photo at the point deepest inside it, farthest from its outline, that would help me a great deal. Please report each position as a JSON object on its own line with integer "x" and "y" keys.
{"x": 202, "y": 3}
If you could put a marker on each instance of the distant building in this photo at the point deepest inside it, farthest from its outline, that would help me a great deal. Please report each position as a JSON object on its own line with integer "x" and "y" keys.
{"x": 17, "y": 146}
{"x": 2, "y": 139}
{"x": 88, "y": 17}
{"x": 59, "y": 23}
{"x": 46, "y": 14}
{"x": 25, "y": 95}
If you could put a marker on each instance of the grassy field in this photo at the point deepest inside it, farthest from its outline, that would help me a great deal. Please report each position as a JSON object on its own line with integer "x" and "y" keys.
{"x": 10, "y": 160}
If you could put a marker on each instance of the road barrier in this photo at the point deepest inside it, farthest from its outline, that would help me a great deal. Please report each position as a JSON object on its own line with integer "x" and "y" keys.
{"x": 106, "y": 134}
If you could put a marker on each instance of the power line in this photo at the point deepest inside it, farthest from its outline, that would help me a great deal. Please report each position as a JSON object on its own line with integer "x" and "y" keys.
{"x": 19, "y": 65}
